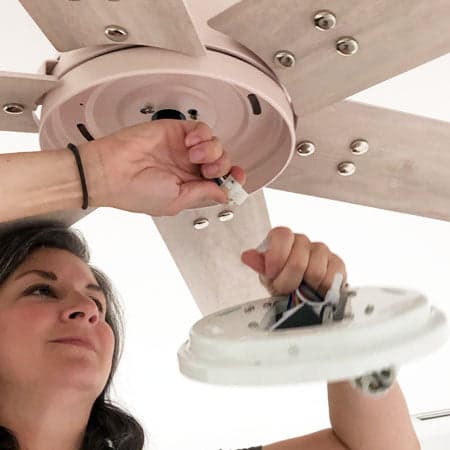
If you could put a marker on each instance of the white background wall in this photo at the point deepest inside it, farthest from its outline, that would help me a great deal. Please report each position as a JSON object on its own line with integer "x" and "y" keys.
{"x": 379, "y": 247}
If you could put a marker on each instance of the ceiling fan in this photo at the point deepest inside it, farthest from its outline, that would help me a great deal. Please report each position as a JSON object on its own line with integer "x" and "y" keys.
{"x": 270, "y": 78}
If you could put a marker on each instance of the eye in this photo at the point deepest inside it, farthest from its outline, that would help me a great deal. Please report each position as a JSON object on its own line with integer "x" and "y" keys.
{"x": 39, "y": 287}
{"x": 48, "y": 289}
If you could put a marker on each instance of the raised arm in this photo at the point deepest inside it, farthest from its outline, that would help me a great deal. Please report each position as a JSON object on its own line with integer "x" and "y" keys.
{"x": 358, "y": 422}
{"x": 149, "y": 168}
{"x": 34, "y": 183}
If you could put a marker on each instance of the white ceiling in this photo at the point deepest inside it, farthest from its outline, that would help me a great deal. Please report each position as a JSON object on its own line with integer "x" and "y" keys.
{"x": 380, "y": 247}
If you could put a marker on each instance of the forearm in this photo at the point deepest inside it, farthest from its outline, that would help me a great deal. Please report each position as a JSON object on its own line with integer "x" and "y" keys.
{"x": 41, "y": 182}
{"x": 371, "y": 423}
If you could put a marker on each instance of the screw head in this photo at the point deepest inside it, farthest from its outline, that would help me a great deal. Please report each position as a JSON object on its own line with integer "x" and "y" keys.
{"x": 13, "y": 108}
{"x": 359, "y": 147}
{"x": 347, "y": 46}
{"x": 116, "y": 33}
{"x": 193, "y": 114}
{"x": 225, "y": 216}
{"x": 324, "y": 20}
{"x": 305, "y": 148}
{"x": 200, "y": 224}
{"x": 148, "y": 109}
{"x": 346, "y": 168}
{"x": 285, "y": 58}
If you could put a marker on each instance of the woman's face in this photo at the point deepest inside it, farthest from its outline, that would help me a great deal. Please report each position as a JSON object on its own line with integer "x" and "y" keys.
{"x": 31, "y": 316}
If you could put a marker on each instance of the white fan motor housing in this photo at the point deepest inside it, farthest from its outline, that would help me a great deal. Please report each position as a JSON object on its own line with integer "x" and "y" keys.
{"x": 245, "y": 107}
{"x": 387, "y": 328}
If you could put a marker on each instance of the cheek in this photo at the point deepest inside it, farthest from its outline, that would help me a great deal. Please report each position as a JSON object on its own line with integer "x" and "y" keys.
{"x": 21, "y": 324}
{"x": 22, "y": 335}
{"x": 107, "y": 337}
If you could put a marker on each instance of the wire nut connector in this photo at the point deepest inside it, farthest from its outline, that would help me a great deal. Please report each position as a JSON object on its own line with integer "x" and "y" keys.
{"x": 236, "y": 193}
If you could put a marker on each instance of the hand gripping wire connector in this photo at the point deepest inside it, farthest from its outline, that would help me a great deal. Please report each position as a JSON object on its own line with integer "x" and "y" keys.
{"x": 305, "y": 307}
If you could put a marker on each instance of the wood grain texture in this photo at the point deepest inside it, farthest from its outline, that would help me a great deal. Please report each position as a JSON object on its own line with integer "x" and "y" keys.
{"x": 406, "y": 169}
{"x": 209, "y": 259}
{"x": 74, "y": 24}
{"x": 393, "y": 36}
{"x": 24, "y": 89}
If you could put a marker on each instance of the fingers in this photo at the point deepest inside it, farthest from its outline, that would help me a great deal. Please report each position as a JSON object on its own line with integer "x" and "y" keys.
{"x": 196, "y": 194}
{"x": 280, "y": 241}
{"x": 317, "y": 266}
{"x": 335, "y": 265}
{"x": 196, "y": 132}
{"x": 215, "y": 162}
{"x": 293, "y": 266}
{"x": 290, "y": 259}
{"x": 206, "y": 152}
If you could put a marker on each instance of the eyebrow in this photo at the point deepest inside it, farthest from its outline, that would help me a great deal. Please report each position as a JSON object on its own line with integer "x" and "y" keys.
{"x": 52, "y": 276}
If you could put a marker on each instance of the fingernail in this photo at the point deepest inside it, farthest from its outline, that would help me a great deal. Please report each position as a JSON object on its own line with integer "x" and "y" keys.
{"x": 193, "y": 140}
{"x": 197, "y": 155}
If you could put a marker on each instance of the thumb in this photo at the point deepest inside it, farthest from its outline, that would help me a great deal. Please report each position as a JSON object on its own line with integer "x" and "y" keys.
{"x": 195, "y": 194}
{"x": 254, "y": 259}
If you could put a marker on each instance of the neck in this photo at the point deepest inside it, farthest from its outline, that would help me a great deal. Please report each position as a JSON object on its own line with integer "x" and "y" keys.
{"x": 44, "y": 419}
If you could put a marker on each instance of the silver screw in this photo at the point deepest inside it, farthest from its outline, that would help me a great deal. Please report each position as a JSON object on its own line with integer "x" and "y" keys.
{"x": 148, "y": 109}
{"x": 346, "y": 168}
{"x": 285, "y": 58}
{"x": 201, "y": 223}
{"x": 225, "y": 216}
{"x": 13, "y": 108}
{"x": 116, "y": 33}
{"x": 359, "y": 147}
{"x": 325, "y": 20}
{"x": 347, "y": 46}
{"x": 193, "y": 114}
{"x": 305, "y": 148}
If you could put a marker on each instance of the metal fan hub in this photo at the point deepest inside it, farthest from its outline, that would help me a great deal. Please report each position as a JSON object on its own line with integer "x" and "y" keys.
{"x": 246, "y": 108}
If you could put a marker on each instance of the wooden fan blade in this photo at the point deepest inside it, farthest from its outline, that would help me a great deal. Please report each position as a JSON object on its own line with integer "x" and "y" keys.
{"x": 20, "y": 92}
{"x": 74, "y": 24}
{"x": 406, "y": 169}
{"x": 209, "y": 259}
{"x": 393, "y": 36}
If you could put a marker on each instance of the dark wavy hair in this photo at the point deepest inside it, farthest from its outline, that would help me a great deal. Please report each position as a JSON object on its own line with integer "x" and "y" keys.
{"x": 109, "y": 426}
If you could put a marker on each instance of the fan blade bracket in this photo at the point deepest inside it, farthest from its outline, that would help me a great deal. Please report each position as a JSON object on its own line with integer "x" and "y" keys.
{"x": 370, "y": 42}
{"x": 70, "y": 25}
{"x": 20, "y": 94}
{"x": 374, "y": 157}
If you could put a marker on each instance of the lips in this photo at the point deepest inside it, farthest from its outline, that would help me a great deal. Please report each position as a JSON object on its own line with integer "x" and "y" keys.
{"x": 83, "y": 342}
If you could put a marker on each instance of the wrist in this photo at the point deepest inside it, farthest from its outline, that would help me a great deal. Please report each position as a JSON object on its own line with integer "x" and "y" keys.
{"x": 94, "y": 172}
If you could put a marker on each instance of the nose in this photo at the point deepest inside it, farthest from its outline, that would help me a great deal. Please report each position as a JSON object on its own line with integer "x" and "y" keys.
{"x": 81, "y": 306}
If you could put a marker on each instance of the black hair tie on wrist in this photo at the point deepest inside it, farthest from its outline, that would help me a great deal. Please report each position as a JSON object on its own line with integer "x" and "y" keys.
{"x": 80, "y": 169}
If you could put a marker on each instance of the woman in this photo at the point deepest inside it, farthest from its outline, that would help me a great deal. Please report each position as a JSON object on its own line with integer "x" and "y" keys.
{"x": 54, "y": 395}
